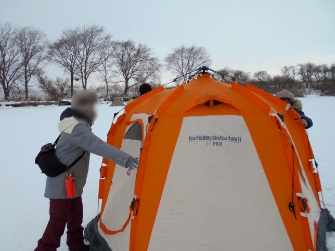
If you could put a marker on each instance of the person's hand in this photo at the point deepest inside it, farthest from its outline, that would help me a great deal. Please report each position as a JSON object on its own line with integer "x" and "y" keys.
{"x": 132, "y": 163}
{"x": 304, "y": 123}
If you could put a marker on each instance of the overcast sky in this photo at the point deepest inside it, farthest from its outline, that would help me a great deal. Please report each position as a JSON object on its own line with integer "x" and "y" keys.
{"x": 237, "y": 33}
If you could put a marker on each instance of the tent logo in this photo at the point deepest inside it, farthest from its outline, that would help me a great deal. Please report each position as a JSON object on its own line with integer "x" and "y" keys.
{"x": 215, "y": 140}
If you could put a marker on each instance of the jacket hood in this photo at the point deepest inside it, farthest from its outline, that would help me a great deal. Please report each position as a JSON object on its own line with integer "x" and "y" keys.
{"x": 285, "y": 94}
{"x": 297, "y": 105}
{"x": 67, "y": 124}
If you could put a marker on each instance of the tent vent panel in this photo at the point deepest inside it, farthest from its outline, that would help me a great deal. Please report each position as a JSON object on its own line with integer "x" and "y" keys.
{"x": 205, "y": 97}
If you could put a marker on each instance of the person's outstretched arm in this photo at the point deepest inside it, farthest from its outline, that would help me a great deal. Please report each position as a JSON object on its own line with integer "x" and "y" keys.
{"x": 83, "y": 137}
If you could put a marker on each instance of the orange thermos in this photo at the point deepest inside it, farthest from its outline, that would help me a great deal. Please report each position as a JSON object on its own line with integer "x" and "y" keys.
{"x": 70, "y": 185}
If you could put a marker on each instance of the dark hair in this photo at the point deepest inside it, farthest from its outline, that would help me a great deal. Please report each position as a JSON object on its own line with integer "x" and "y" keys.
{"x": 144, "y": 88}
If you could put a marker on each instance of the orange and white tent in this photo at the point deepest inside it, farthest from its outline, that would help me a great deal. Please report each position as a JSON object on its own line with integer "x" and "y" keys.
{"x": 222, "y": 167}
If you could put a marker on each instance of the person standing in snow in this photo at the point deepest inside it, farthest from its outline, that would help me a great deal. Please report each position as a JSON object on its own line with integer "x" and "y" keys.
{"x": 296, "y": 104}
{"x": 76, "y": 138}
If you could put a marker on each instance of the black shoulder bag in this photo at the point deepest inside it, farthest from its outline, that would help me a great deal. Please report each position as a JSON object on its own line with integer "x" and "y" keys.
{"x": 49, "y": 163}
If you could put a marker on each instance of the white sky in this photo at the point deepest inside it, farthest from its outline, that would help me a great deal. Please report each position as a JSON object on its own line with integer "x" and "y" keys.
{"x": 237, "y": 33}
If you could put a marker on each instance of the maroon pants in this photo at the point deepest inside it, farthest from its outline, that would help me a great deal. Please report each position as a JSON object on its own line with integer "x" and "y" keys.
{"x": 62, "y": 212}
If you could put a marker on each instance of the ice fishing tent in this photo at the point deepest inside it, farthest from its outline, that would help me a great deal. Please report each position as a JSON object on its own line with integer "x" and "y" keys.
{"x": 117, "y": 102}
{"x": 222, "y": 167}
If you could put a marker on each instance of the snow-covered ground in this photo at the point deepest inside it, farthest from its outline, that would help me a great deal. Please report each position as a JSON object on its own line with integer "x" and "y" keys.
{"x": 24, "y": 210}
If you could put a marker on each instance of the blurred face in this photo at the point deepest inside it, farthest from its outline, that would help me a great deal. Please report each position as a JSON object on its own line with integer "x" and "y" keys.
{"x": 87, "y": 106}
{"x": 93, "y": 110}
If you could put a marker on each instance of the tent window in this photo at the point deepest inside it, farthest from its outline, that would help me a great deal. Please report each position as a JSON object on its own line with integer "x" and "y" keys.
{"x": 134, "y": 132}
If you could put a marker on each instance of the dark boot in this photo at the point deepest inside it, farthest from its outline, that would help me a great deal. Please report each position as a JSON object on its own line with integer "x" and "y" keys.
{"x": 86, "y": 248}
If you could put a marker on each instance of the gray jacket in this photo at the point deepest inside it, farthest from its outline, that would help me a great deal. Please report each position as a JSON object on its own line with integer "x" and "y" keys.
{"x": 77, "y": 137}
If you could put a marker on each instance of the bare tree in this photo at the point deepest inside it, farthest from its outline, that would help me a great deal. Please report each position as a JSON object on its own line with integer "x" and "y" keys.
{"x": 238, "y": 75}
{"x": 226, "y": 72}
{"x": 325, "y": 70}
{"x": 332, "y": 71}
{"x": 332, "y": 79}
{"x": 183, "y": 60}
{"x": 150, "y": 73}
{"x": 261, "y": 79}
{"x": 54, "y": 90}
{"x": 135, "y": 63}
{"x": 305, "y": 71}
{"x": 289, "y": 73}
{"x": 63, "y": 86}
{"x": 106, "y": 73}
{"x": 32, "y": 44}
{"x": 116, "y": 90}
{"x": 65, "y": 53}
{"x": 288, "y": 79}
{"x": 10, "y": 61}
{"x": 95, "y": 49}
{"x": 241, "y": 76}
{"x": 317, "y": 75}
{"x": 47, "y": 86}
{"x": 262, "y": 76}
{"x": 324, "y": 78}
{"x": 16, "y": 92}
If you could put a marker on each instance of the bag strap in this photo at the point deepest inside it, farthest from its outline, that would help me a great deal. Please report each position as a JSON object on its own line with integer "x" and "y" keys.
{"x": 55, "y": 143}
{"x": 75, "y": 162}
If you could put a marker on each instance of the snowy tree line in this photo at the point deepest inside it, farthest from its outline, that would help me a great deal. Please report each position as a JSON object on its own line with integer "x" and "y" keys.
{"x": 298, "y": 79}
{"x": 80, "y": 52}
{"x": 87, "y": 51}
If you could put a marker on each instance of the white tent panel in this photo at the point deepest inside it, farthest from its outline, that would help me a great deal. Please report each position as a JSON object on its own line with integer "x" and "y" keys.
{"x": 216, "y": 195}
